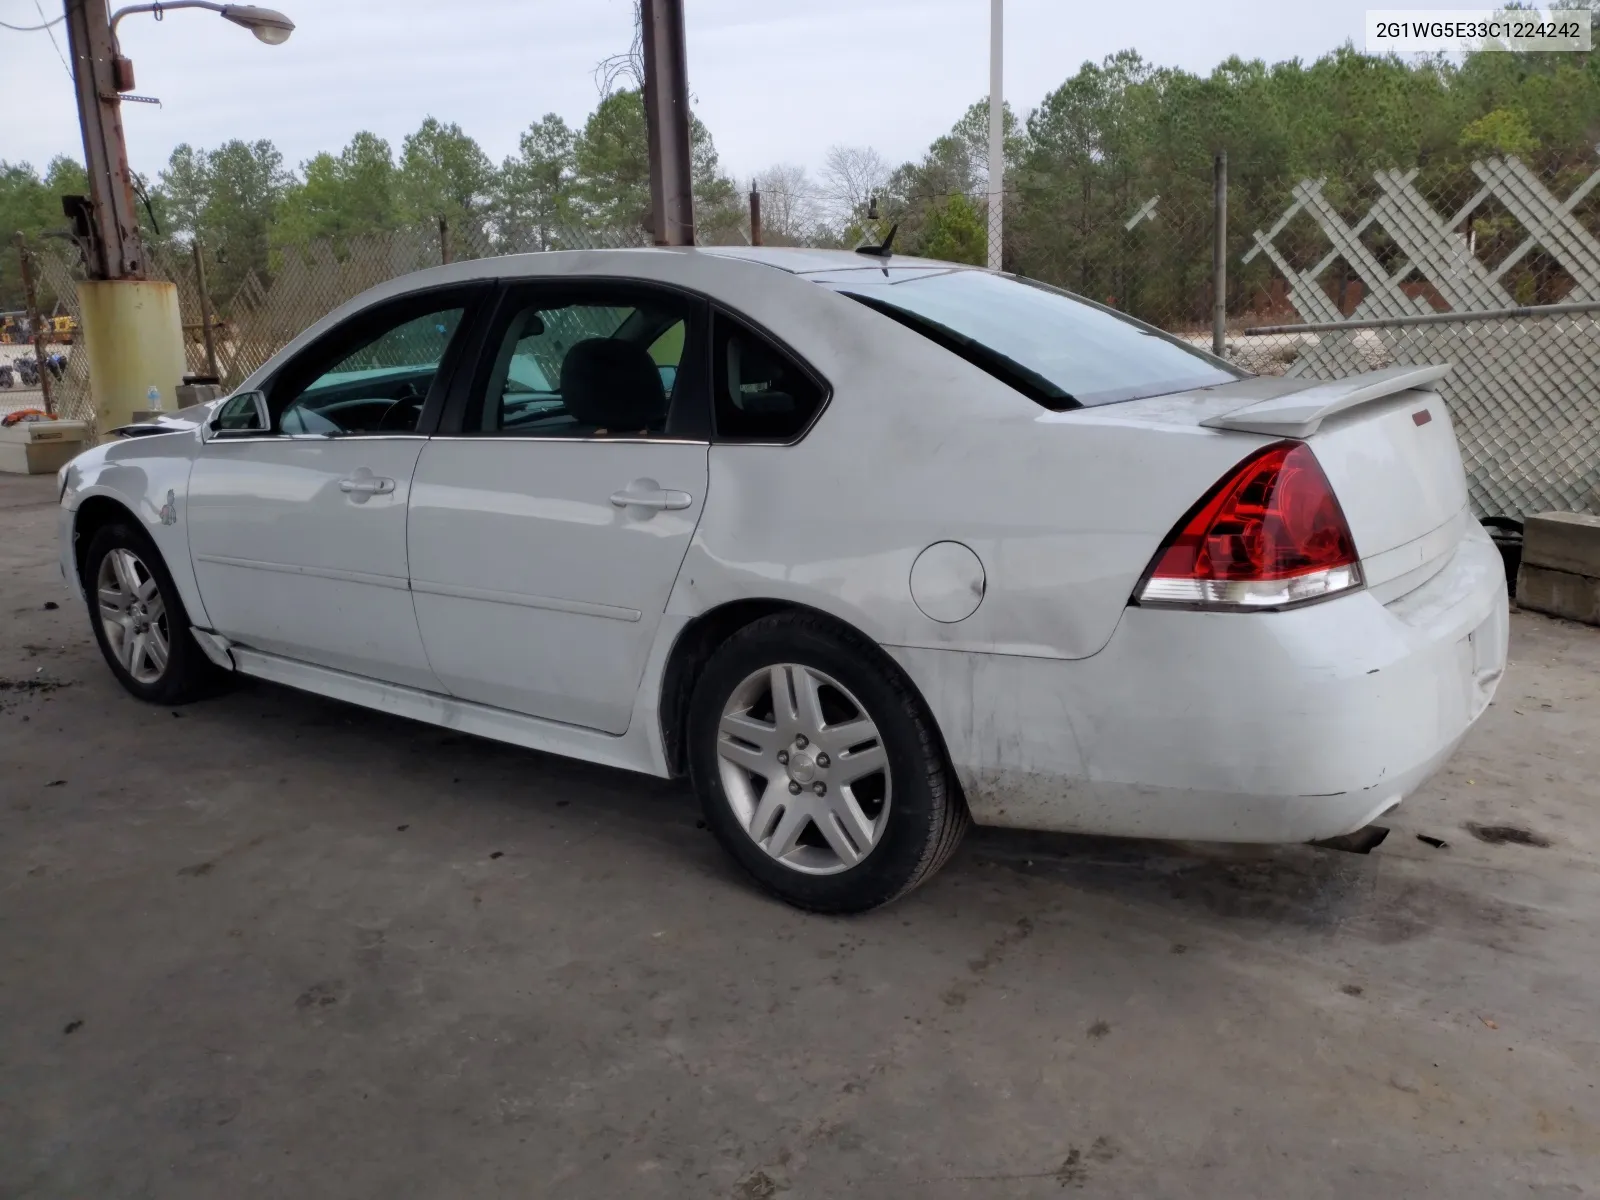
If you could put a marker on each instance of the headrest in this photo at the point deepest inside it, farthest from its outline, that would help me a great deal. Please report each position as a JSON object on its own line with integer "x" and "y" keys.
{"x": 612, "y": 385}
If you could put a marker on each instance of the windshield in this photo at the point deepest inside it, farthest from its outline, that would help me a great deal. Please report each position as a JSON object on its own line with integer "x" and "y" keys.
{"x": 1061, "y": 351}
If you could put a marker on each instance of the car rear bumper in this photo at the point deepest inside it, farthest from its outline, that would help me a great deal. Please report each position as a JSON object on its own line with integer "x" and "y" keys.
{"x": 1252, "y": 727}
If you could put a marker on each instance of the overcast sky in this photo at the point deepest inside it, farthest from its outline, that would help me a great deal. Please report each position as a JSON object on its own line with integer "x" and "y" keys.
{"x": 775, "y": 81}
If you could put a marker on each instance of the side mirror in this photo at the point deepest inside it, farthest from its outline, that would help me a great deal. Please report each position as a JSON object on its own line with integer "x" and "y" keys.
{"x": 243, "y": 412}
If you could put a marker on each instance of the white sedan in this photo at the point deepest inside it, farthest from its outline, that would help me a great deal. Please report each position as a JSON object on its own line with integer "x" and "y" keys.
{"x": 868, "y": 548}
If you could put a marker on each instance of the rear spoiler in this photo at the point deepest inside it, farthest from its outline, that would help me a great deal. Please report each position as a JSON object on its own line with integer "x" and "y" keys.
{"x": 1298, "y": 414}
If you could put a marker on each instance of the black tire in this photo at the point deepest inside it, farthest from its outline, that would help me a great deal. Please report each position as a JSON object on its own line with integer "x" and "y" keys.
{"x": 927, "y": 816}
{"x": 188, "y": 673}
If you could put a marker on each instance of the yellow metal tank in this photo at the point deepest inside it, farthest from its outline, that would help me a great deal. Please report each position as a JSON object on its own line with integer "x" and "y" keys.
{"x": 133, "y": 335}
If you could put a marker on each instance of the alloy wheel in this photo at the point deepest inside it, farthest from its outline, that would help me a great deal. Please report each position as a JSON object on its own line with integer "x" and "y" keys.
{"x": 133, "y": 615}
{"x": 804, "y": 768}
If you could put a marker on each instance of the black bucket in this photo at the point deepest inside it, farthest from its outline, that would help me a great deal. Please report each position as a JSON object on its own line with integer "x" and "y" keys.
{"x": 1507, "y": 535}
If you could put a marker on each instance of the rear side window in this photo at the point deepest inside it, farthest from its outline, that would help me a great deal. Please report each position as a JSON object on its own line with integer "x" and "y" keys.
{"x": 1053, "y": 347}
{"x": 762, "y": 394}
{"x": 586, "y": 364}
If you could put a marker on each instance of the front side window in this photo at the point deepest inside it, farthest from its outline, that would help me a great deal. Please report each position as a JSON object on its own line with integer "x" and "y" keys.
{"x": 761, "y": 393}
{"x": 377, "y": 385}
{"x": 593, "y": 367}
{"x": 1051, "y": 346}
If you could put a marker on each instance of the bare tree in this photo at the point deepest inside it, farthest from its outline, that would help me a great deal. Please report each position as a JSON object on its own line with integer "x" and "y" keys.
{"x": 851, "y": 176}
{"x": 626, "y": 68}
{"x": 790, "y": 208}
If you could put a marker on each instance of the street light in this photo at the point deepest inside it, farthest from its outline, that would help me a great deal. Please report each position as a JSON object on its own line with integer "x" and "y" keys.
{"x": 268, "y": 24}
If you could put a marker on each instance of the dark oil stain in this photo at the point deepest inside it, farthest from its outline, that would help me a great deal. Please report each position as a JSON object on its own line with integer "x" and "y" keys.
{"x": 1500, "y": 835}
{"x": 197, "y": 870}
{"x": 1099, "y": 1029}
{"x": 318, "y": 995}
{"x": 1351, "y": 989}
{"x": 1074, "y": 1169}
{"x": 73, "y": 1026}
{"x": 1071, "y": 1172}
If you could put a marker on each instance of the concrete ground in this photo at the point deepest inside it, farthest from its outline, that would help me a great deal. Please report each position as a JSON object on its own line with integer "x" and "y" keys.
{"x": 269, "y": 945}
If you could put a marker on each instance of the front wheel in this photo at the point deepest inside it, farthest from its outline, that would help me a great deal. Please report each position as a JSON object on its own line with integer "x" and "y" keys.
{"x": 819, "y": 768}
{"x": 139, "y": 619}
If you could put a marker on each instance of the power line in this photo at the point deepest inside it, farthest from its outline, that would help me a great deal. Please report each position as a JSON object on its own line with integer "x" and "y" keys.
{"x": 40, "y": 8}
{"x": 32, "y": 28}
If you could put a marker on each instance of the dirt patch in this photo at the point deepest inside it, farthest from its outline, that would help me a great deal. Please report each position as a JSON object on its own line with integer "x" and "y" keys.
{"x": 29, "y": 686}
{"x": 13, "y": 690}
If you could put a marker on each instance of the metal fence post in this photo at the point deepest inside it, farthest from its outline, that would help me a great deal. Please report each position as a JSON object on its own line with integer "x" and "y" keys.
{"x": 755, "y": 217}
{"x": 206, "y": 332}
{"x": 444, "y": 241}
{"x": 34, "y": 325}
{"x": 1219, "y": 256}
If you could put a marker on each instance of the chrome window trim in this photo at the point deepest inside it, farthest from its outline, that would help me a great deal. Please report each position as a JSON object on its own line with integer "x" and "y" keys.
{"x": 320, "y": 437}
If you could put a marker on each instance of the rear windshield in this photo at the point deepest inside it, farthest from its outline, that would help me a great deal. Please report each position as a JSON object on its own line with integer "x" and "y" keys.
{"x": 1048, "y": 344}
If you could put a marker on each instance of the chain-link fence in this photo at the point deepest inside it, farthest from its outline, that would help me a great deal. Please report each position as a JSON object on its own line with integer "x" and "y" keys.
{"x": 1331, "y": 276}
{"x": 1492, "y": 266}
{"x": 1524, "y": 393}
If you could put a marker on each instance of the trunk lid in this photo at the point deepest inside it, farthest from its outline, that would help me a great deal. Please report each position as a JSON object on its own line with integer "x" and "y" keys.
{"x": 1386, "y": 443}
{"x": 1396, "y": 468}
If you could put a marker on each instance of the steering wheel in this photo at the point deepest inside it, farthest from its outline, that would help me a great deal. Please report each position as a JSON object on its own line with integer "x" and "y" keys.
{"x": 404, "y": 412}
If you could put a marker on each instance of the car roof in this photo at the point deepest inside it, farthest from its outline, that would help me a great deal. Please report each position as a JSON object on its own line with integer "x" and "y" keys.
{"x": 809, "y": 260}
{"x": 733, "y": 274}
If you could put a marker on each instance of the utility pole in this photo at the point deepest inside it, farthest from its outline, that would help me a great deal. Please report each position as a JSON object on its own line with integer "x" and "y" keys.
{"x": 666, "y": 112}
{"x": 997, "y": 132}
{"x": 114, "y": 250}
{"x": 755, "y": 216}
{"x": 132, "y": 331}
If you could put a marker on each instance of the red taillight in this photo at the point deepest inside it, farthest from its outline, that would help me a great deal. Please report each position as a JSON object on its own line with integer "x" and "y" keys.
{"x": 1269, "y": 535}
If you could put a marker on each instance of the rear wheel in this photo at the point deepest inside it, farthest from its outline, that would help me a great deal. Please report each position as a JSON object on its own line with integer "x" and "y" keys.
{"x": 139, "y": 620}
{"x": 818, "y": 767}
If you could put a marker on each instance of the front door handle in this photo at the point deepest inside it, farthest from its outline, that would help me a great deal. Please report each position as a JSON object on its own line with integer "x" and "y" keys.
{"x": 647, "y": 493}
{"x": 363, "y": 484}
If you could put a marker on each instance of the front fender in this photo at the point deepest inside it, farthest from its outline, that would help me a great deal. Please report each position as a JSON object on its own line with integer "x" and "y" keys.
{"x": 148, "y": 478}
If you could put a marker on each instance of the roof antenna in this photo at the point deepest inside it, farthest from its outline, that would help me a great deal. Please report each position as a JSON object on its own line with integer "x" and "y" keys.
{"x": 884, "y": 250}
